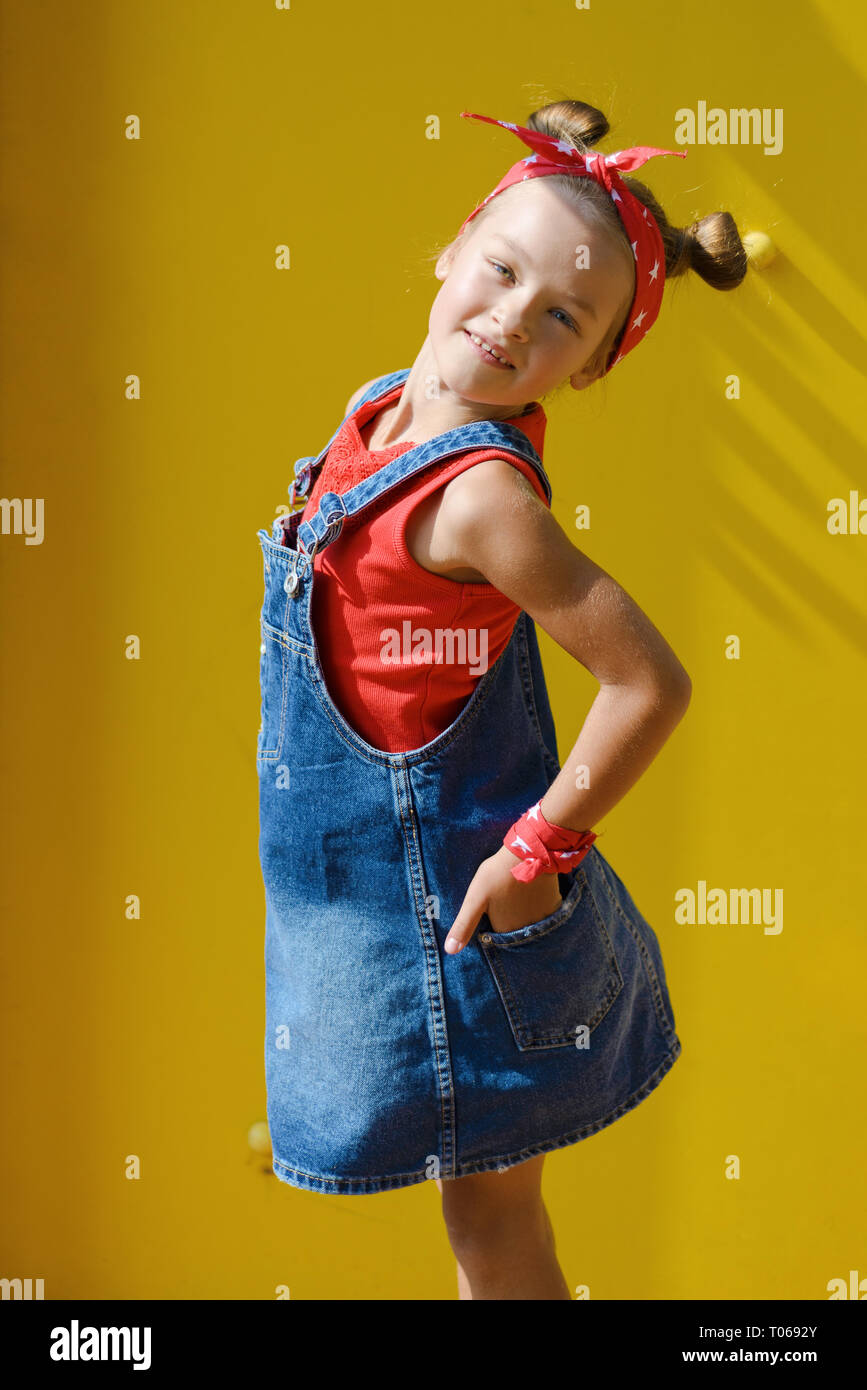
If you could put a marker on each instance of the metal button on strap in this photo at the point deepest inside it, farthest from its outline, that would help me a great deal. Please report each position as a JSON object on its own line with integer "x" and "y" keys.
{"x": 291, "y": 583}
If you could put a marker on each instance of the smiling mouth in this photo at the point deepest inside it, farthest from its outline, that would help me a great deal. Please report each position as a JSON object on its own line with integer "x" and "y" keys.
{"x": 487, "y": 353}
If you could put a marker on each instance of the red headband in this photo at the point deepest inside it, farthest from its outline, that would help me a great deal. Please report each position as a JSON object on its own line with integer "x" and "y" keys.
{"x": 554, "y": 156}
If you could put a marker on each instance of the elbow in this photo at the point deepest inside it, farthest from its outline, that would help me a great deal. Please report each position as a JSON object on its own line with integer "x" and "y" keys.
{"x": 678, "y": 690}
{"x": 666, "y": 688}
{"x": 671, "y": 689}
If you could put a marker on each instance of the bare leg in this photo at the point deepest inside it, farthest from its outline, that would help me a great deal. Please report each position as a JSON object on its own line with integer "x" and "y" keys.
{"x": 501, "y": 1235}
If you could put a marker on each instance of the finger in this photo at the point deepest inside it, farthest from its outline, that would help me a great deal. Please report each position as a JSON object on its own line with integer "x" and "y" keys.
{"x": 462, "y": 928}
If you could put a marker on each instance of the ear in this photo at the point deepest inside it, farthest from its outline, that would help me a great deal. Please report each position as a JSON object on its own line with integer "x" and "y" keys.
{"x": 592, "y": 370}
{"x": 579, "y": 381}
{"x": 444, "y": 264}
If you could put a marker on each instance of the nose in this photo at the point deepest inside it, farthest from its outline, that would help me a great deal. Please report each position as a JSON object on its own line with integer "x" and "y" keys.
{"x": 511, "y": 319}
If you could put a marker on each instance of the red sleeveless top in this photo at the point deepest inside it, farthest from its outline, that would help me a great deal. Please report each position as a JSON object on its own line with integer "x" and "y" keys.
{"x": 401, "y": 648}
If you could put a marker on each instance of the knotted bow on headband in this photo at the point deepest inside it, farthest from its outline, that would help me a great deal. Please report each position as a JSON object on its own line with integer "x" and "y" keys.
{"x": 552, "y": 156}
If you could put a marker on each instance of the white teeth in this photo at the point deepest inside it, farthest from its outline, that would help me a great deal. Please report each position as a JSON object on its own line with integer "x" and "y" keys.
{"x": 487, "y": 346}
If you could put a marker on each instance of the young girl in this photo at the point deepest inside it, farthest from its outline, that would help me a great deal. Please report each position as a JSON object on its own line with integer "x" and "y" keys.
{"x": 457, "y": 981}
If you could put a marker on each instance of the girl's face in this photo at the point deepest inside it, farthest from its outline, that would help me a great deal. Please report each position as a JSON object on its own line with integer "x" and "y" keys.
{"x": 514, "y": 283}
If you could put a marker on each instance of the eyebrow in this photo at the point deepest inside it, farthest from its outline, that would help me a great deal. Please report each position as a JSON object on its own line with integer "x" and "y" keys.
{"x": 519, "y": 250}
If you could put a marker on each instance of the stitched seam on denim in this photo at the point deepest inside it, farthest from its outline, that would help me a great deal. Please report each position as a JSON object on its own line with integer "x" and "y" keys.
{"x": 649, "y": 968}
{"x": 484, "y": 1165}
{"x": 526, "y": 672}
{"x": 585, "y": 1130}
{"x": 557, "y": 1039}
{"x": 269, "y": 582}
{"x": 514, "y": 440}
{"x": 567, "y": 907}
{"x": 480, "y": 695}
{"x": 412, "y": 758}
{"x": 436, "y": 995}
{"x": 286, "y": 605}
{"x": 291, "y": 643}
{"x": 383, "y": 760}
{"x": 272, "y": 755}
{"x": 391, "y": 475}
{"x": 322, "y": 1178}
{"x": 397, "y": 471}
{"x": 529, "y": 1041}
{"x": 533, "y": 1040}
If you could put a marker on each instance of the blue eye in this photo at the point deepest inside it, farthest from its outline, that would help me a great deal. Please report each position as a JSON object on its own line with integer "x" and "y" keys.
{"x": 565, "y": 319}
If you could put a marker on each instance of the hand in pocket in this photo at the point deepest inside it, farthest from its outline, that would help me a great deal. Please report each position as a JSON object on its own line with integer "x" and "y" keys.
{"x": 518, "y": 904}
{"x": 507, "y": 901}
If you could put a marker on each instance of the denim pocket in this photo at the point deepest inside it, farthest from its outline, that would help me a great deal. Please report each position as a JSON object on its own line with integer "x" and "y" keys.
{"x": 556, "y": 974}
{"x": 272, "y": 685}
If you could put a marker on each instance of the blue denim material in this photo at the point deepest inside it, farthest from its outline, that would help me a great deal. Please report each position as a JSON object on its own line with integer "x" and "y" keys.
{"x": 388, "y": 1062}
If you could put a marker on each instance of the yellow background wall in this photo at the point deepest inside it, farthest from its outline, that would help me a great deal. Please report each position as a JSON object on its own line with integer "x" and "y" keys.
{"x": 155, "y": 256}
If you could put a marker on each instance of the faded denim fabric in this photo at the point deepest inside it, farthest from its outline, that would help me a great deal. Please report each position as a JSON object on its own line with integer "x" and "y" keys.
{"x": 388, "y": 1062}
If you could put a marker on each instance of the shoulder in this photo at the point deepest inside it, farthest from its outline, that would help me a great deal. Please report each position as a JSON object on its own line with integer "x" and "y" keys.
{"x": 488, "y": 507}
{"x": 492, "y": 485}
{"x": 494, "y": 522}
{"x": 353, "y": 399}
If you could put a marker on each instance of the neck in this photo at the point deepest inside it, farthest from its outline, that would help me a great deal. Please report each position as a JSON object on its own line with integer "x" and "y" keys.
{"x": 418, "y": 417}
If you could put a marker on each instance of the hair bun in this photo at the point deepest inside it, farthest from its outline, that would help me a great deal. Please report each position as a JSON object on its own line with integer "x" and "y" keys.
{"x": 711, "y": 246}
{"x": 713, "y": 249}
{"x": 576, "y": 121}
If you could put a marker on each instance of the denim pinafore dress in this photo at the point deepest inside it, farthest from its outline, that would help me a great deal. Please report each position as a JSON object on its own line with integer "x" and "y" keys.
{"x": 387, "y": 1061}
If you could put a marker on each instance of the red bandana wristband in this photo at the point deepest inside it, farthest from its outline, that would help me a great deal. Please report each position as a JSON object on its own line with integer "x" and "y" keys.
{"x": 545, "y": 848}
{"x": 553, "y": 156}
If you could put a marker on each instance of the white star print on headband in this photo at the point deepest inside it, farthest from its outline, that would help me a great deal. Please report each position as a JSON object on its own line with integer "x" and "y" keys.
{"x": 552, "y": 156}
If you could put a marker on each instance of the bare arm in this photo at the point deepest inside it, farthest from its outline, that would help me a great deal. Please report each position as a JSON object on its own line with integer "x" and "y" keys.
{"x": 496, "y": 523}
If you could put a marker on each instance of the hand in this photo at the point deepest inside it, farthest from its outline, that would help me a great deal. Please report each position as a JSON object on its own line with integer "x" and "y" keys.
{"x": 508, "y": 902}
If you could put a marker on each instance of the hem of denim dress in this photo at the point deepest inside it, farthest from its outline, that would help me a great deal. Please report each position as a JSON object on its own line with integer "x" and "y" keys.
{"x": 316, "y": 1182}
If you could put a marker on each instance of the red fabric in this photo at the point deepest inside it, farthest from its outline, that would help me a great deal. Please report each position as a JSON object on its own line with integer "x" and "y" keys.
{"x": 544, "y": 848}
{"x": 551, "y": 156}
{"x": 366, "y": 583}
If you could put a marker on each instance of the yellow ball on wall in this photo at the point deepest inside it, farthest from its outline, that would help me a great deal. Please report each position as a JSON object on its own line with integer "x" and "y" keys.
{"x": 759, "y": 248}
{"x": 259, "y": 1138}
